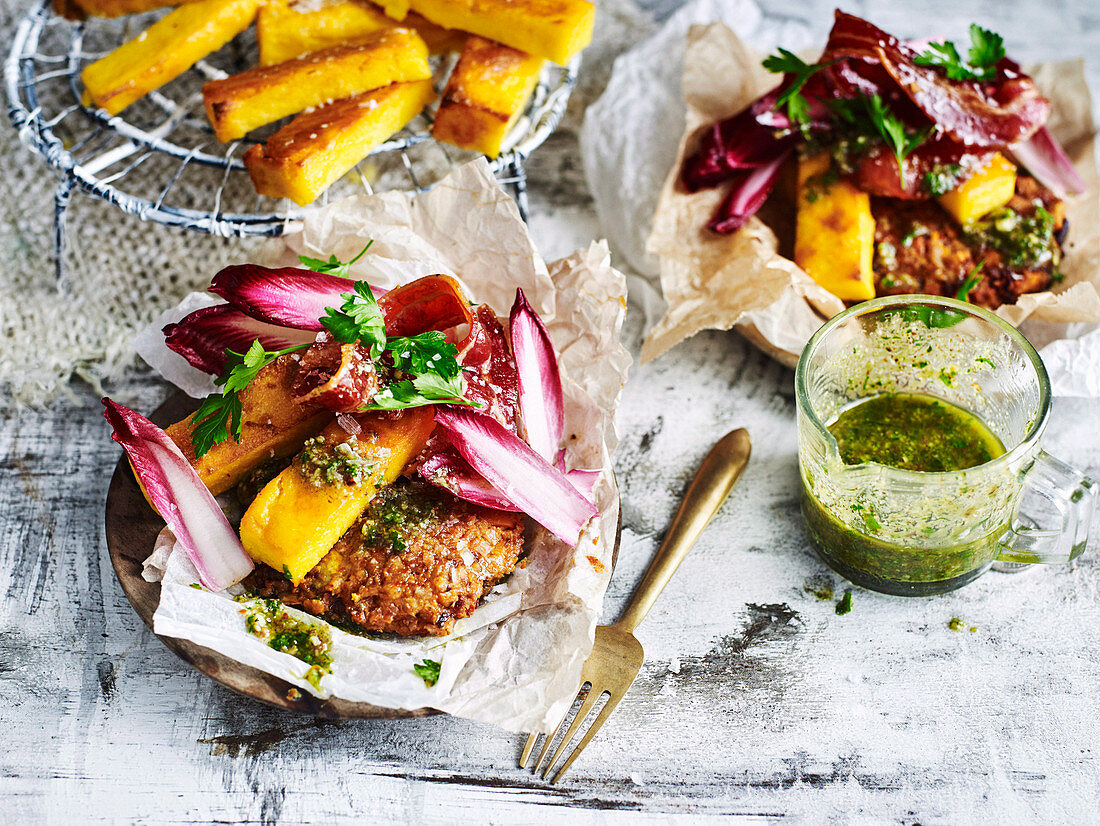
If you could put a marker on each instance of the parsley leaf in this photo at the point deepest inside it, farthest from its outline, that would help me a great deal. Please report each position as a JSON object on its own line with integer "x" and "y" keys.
{"x": 435, "y": 375}
{"x": 423, "y": 352}
{"x": 428, "y": 671}
{"x": 212, "y": 421}
{"x": 901, "y": 140}
{"x": 987, "y": 49}
{"x": 333, "y": 266}
{"x": 421, "y": 390}
{"x": 971, "y": 282}
{"x": 358, "y": 319}
{"x": 221, "y": 413}
{"x": 434, "y": 385}
{"x": 869, "y": 114}
{"x": 787, "y": 62}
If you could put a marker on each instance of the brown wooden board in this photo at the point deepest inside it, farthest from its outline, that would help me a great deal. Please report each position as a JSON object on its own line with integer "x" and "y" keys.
{"x": 132, "y": 527}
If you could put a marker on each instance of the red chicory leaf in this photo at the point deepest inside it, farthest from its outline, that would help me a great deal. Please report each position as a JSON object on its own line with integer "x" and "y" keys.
{"x": 287, "y": 296}
{"x": 541, "y": 401}
{"x": 202, "y": 337}
{"x": 181, "y": 499}
{"x": 447, "y": 470}
{"x": 523, "y": 477}
{"x": 750, "y": 190}
{"x": 1044, "y": 158}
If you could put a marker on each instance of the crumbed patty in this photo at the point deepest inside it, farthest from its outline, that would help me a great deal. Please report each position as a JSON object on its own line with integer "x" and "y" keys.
{"x": 415, "y": 562}
{"x": 919, "y": 248}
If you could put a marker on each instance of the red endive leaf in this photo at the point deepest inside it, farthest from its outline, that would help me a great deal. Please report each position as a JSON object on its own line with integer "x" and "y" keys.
{"x": 1044, "y": 158}
{"x": 541, "y": 402}
{"x": 523, "y": 477}
{"x": 203, "y": 336}
{"x": 181, "y": 499}
{"x": 448, "y": 470}
{"x": 287, "y": 296}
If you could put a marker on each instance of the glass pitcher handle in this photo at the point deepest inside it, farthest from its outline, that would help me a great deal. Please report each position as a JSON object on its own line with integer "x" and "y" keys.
{"x": 1068, "y": 493}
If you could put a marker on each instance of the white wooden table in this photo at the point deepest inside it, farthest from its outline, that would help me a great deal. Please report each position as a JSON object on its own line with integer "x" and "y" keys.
{"x": 757, "y": 700}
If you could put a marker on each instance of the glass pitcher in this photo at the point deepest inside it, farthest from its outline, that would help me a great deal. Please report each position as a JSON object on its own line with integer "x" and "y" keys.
{"x": 915, "y": 533}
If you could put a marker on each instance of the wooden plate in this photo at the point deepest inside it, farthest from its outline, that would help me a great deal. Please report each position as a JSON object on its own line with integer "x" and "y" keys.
{"x": 132, "y": 527}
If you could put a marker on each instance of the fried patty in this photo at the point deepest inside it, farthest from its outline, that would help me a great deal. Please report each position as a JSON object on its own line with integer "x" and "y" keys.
{"x": 919, "y": 248}
{"x": 416, "y": 561}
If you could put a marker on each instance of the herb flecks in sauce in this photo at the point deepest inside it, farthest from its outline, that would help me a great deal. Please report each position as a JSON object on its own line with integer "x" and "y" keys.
{"x": 942, "y": 178}
{"x": 845, "y": 605}
{"x": 395, "y": 515}
{"x": 957, "y": 624}
{"x": 269, "y": 620}
{"x": 324, "y": 464}
{"x": 1023, "y": 241}
{"x": 428, "y": 671}
{"x": 919, "y": 433}
{"x": 913, "y": 432}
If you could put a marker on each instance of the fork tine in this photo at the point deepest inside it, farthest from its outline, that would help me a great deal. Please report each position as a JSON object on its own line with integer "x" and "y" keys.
{"x": 601, "y": 718}
{"x": 546, "y": 745}
{"x": 550, "y": 734}
{"x": 532, "y": 738}
{"x": 582, "y": 712}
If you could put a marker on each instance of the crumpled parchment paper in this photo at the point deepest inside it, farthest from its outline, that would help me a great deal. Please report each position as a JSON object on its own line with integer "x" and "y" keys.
{"x": 714, "y": 282}
{"x": 516, "y": 661}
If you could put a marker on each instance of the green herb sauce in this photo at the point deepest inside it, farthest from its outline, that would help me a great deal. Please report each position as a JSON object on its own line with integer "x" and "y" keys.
{"x": 942, "y": 178}
{"x": 396, "y": 514}
{"x": 269, "y": 620}
{"x": 913, "y": 432}
{"x": 324, "y": 464}
{"x": 1023, "y": 241}
{"x": 889, "y": 567}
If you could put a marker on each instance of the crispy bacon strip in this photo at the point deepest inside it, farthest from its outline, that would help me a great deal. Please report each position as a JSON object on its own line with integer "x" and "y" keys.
{"x": 1005, "y": 110}
{"x": 337, "y": 376}
{"x": 434, "y": 302}
{"x": 877, "y": 171}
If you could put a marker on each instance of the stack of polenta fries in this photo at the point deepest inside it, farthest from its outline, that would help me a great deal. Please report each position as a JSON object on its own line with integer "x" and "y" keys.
{"x": 352, "y": 72}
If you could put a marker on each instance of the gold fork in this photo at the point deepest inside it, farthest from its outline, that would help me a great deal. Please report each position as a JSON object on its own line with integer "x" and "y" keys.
{"x": 617, "y": 655}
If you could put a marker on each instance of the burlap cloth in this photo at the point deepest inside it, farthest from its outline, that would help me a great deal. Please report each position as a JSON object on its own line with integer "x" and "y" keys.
{"x": 121, "y": 273}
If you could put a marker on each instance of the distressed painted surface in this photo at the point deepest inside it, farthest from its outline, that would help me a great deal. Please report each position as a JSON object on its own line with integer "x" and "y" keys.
{"x": 757, "y": 700}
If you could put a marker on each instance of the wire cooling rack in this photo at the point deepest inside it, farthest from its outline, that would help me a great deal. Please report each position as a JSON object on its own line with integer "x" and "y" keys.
{"x": 159, "y": 159}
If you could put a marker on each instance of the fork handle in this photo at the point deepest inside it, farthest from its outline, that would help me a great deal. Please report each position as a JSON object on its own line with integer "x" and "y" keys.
{"x": 713, "y": 481}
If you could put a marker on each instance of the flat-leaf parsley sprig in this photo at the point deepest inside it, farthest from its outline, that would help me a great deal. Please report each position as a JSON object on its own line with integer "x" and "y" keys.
{"x": 359, "y": 318}
{"x": 434, "y": 375}
{"x": 333, "y": 266}
{"x": 425, "y": 366}
{"x": 220, "y": 413}
{"x": 987, "y": 49}
{"x": 871, "y": 115}
{"x": 787, "y": 62}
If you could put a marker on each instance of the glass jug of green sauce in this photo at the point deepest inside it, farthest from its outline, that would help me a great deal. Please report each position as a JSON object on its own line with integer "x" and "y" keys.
{"x": 919, "y": 422}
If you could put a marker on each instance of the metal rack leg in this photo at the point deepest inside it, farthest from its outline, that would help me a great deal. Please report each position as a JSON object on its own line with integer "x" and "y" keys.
{"x": 61, "y": 198}
{"x": 518, "y": 171}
